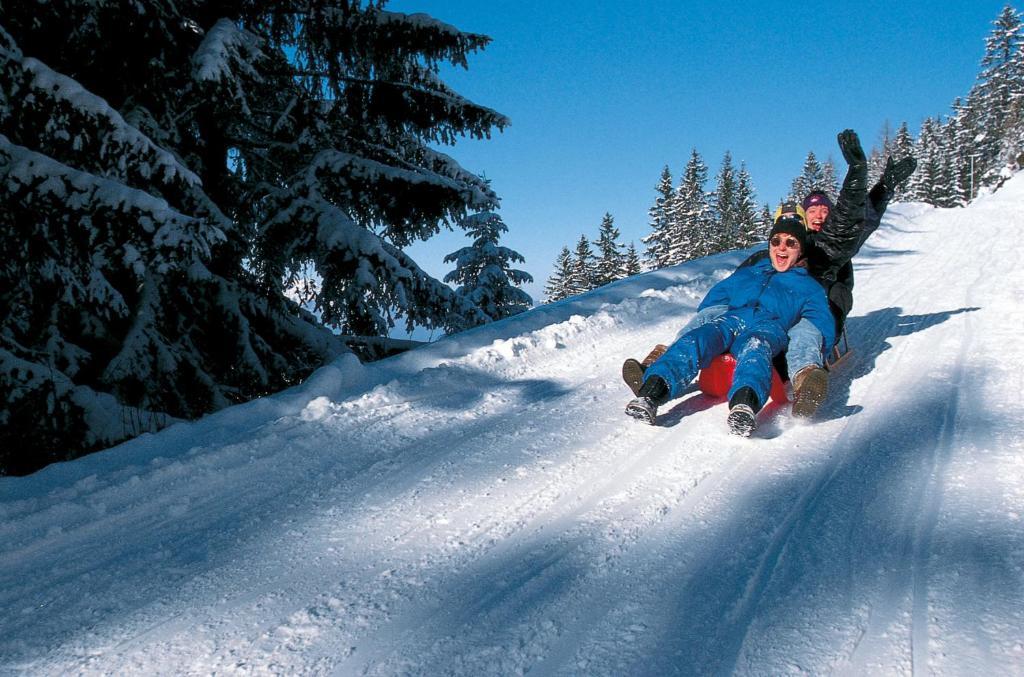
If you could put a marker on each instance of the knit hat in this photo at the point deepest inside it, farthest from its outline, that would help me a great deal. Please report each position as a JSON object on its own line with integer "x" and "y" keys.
{"x": 817, "y": 197}
{"x": 790, "y": 224}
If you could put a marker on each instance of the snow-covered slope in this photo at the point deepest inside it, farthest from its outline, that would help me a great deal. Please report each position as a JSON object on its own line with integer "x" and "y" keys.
{"x": 482, "y": 506}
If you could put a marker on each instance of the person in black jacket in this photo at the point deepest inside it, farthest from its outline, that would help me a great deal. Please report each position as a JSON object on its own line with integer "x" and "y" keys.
{"x": 803, "y": 360}
{"x": 818, "y": 206}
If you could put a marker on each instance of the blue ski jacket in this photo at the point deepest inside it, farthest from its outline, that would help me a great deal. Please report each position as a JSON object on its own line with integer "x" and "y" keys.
{"x": 784, "y": 298}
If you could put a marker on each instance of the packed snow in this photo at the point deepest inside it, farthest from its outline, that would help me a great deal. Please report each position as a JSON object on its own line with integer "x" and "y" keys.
{"x": 482, "y": 506}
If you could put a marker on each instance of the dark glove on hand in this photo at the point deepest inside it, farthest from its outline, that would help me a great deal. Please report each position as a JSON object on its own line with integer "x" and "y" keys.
{"x": 849, "y": 143}
{"x": 896, "y": 173}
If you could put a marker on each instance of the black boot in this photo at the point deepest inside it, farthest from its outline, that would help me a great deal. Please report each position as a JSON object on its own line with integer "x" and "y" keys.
{"x": 652, "y": 394}
{"x": 743, "y": 408}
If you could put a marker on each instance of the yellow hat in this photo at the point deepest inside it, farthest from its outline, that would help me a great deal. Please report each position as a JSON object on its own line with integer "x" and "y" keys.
{"x": 791, "y": 208}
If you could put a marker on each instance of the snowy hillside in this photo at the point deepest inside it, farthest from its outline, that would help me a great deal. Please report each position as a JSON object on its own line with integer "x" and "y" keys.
{"x": 482, "y": 506}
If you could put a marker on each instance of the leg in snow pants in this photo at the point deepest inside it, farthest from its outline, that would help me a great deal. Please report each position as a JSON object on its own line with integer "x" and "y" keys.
{"x": 753, "y": 343}
{"x": 805, "y": 347}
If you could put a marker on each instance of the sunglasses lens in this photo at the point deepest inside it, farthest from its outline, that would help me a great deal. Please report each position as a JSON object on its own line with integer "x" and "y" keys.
{"x": 789, "y": 242}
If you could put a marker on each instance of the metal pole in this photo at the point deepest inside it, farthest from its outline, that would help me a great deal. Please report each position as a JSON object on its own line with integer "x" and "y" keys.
{"x": 972, "y": 177}
{"x": 973, "y": 156}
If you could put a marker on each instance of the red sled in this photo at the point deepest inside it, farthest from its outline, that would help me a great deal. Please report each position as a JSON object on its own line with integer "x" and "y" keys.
{"x": 717, "y": 379}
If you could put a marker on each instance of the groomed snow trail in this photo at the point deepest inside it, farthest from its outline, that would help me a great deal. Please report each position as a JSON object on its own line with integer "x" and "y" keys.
{"x": 482, "y": 506}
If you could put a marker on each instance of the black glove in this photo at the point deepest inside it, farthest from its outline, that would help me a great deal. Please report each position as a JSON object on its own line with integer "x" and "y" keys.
{"x": 896, "y": 173}
{"x": 849, "y": 143}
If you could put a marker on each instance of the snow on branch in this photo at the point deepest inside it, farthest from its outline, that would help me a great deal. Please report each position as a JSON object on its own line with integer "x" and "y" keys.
{"x": 25, "y": 172}
{"x": 225, "y": 49}
{"x": 44, "y": 83}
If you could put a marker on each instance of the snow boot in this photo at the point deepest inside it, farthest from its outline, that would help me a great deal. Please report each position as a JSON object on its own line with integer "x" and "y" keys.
{"x": 633, "y": 371}
{"x": 810, "y": 385}
{"x": 651, "y": 395}
{"x": 743, "y": 408}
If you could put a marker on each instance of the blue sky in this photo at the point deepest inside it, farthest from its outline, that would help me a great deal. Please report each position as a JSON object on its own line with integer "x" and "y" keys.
{"x": 602, "y": 95}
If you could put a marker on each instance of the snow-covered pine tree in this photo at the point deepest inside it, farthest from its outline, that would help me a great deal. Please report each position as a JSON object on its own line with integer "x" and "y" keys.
{"x": 998, "y": 97}
{"x": 902, "y": 146}
{"x": 950, "y": 162}
{"x": 879, "y": 152}
{"x": 810, "y": 177}
{"x": 829, "y": 182}
{"x": 485, "y": 274}
{"x": 956, "y": 133}
{"x": 162, "y": 212}
{"x": 924, "y": 183}
{"x": 749, "y": 226}
{"x": 631, "y": 264}
{"x": 661, "y": 217}
{"x": 581, "y": 279}
{"x": 557, "y": 287}
{"x": 767, "y": 221}
{"x": 724, "y": 206}
{"x": 610, "y": 259}
{"x": 693, "y": 233}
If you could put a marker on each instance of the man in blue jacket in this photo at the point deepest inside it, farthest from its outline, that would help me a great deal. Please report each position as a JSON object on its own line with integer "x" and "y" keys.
{"x": 763, "y": 300}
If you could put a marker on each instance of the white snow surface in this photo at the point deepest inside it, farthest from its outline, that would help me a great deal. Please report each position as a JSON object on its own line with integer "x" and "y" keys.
{"x": 482, "y": 506}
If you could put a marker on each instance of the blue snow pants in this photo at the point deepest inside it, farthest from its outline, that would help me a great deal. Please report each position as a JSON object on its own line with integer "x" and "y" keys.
{"x": 752, "y": 341}
{"x": 804, "y": 348}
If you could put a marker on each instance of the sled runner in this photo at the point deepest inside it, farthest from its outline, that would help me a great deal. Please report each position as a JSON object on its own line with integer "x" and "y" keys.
{"x": 840, "y": 351}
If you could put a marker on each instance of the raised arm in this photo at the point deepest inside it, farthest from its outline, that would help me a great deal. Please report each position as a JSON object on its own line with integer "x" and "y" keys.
{"x": 840, "y": 238}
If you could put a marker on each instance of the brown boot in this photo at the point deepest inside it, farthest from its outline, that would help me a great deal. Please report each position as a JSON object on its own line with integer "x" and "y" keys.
{"x": 810, "y": 385}
{"x": 633, "y": 371}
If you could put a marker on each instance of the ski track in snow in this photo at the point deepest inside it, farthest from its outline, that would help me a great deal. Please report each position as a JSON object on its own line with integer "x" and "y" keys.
{"x": 482, "y": 506}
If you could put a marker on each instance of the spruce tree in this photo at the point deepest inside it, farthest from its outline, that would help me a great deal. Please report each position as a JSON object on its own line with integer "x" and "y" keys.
{"x": 879, "y": 153}
{"x": 998, "y": 96}
{"x": 581, "y": 279}
{"x": 693, "y": 230}
{"x": 956, "y": 153}
{"x": 809, "y": 179}
{"x": 829, "y": 182}
{"x": 662, "y": 221}
{"x": 173, "y": 168}
{"x": 609, "y": 263}
{"x": 948, "y": 188}
{"x": 902, "y": 146}
{"x": 631, "y": 264}
{"x": 485, "y": 275}
{"x": 557, "y": 287}
{"x": 749, "y": 224}
{"x": 724, "y": 206}
{"x": 767, "y": 221}
{"x": 924, "y": 183}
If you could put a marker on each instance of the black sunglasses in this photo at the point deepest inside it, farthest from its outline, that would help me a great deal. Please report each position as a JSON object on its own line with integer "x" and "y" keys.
{"x": 790, "y": 242}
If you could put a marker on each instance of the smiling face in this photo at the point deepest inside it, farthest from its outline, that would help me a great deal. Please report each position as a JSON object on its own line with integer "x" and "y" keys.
{"x": 784, "y": 251}
{"x": 816, "y": 215}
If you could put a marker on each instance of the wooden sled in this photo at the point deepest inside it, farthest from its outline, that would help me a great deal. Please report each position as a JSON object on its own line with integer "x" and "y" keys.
{"x": 840, "y": 351}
